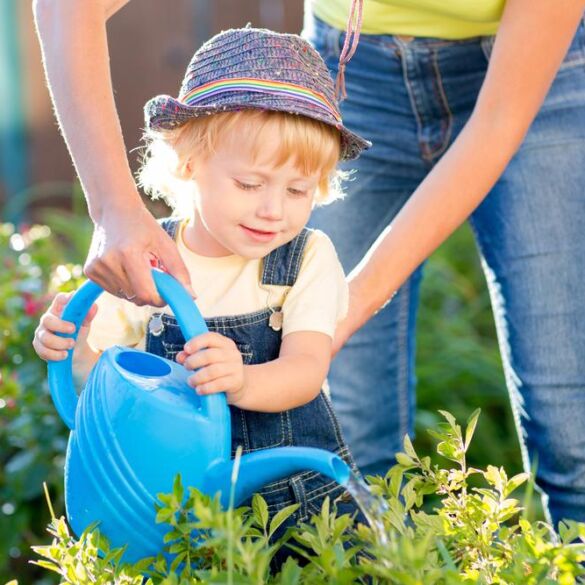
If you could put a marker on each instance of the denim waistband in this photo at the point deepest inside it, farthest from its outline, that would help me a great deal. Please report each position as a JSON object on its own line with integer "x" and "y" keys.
{"x": 334, "y": 37}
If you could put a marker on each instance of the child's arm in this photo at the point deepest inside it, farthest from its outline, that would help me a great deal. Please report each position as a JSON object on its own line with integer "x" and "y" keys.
{"x": 291, "y": 380}
{"x": 50, "y": 346}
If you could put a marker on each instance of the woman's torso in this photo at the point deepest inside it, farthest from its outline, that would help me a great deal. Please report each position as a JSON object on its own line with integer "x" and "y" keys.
{"x": 448, "y": 19}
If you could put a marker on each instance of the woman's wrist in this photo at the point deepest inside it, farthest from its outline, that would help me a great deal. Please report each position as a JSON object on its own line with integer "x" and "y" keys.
{"x": 113, "y": 203}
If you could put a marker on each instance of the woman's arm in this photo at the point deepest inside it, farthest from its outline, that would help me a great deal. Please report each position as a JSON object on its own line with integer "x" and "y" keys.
{"x": 532, "y": 40}
{"x": 75, "y": 55}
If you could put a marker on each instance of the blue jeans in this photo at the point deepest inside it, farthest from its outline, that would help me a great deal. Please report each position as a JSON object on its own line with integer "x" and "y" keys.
{"x": 412, "y": 97}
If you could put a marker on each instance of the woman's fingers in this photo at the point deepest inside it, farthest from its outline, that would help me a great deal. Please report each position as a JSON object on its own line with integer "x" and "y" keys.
{"x": 103, "y": 264}
{"x": 120, "y": 253}
{"x": 168, "y": 255}
{"x": 141, "y": 289}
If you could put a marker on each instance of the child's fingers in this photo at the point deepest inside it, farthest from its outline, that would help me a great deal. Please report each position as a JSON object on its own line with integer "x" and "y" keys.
{"x": 53, "y": 323}
{"x": 52, "y": 355}
{"x": 59, "y": 302}
{"x": 210, "y": 373}
{"x": 208, "y": 340}
{"x": 203, "y": 358}
{"x": 223, "y": 384}
{"x": 48, "y": 354}
{"x": 52, "y": 341}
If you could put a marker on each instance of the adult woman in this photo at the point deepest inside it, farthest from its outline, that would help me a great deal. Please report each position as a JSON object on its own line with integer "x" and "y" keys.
{"x": 447, "y": 126}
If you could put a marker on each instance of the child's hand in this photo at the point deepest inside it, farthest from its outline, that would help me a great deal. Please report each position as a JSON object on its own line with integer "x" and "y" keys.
{"x": 50, "y": 346}
{"x": 219, "y": 364}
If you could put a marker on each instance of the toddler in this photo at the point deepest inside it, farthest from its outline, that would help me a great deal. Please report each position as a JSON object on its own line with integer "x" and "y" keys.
{"x": 242, "y": 156}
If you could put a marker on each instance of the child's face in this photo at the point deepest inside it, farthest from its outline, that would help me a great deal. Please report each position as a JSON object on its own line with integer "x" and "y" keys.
{"x": 248, "y": 207}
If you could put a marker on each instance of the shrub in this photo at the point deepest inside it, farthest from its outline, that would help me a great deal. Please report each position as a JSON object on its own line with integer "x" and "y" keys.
{"x": 474, "y": 535}
{"x": 32, "y": 437}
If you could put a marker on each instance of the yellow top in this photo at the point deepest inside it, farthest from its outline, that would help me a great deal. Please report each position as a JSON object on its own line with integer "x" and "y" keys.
{"x": 446, "y": 19}
{"x": 231, "y": 285}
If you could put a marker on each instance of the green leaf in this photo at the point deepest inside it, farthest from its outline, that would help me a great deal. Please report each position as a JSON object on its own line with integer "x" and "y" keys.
{"x": 280, "y": 517}
{"x": 290, "y": 573}
{"x": 405, "y": 460}
{"x": 260, "y": 509}
{"x": 408, "y": 448}
{"x": 178, "y": 489}
{"x": 515, "y": 482}
{"x": 470, "y": 428}
{"x": 450, "y": 419}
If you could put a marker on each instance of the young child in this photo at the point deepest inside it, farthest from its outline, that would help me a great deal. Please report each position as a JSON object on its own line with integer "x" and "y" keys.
{"x": 242, "y": 155}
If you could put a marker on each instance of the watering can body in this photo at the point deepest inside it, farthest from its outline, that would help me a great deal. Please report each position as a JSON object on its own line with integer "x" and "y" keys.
{"x": 133, "y": 433}
{"x": 138, "y": 423}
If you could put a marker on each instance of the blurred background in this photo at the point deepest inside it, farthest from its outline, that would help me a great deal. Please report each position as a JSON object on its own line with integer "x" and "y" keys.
{"x": 45, "y": 230}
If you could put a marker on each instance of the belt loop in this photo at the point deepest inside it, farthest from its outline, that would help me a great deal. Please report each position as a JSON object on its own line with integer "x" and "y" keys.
{"x": 301, "y": 497}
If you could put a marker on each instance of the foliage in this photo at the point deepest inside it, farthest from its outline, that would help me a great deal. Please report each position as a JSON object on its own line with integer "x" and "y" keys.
{"x": 475, "y": 535}
{"x": 32, "y": 437}
{"x": 457, "y": 365}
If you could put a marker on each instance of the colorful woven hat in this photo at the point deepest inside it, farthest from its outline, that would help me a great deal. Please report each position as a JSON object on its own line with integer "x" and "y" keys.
{"x": 260, "y": 69}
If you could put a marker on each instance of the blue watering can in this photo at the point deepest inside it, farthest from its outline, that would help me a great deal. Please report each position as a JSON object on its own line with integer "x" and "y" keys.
{"x": 138, "y": 423}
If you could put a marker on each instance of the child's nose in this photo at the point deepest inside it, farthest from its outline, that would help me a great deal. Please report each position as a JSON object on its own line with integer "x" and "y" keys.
{"x": 271, "y": 207}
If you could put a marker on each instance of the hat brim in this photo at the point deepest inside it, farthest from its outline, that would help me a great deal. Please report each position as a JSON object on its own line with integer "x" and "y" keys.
{"x": 166, "y": 112}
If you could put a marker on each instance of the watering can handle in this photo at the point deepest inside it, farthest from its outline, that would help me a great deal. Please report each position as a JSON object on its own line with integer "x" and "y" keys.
{"x": 187, "y": 314}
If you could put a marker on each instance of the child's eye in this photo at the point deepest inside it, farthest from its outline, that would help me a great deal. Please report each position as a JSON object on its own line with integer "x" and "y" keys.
{"x": 246, "y": 186}
{"x": 297, "y": 192}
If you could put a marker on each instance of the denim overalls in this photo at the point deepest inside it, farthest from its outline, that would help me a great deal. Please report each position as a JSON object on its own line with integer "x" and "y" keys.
{"x": 311, "y": 425}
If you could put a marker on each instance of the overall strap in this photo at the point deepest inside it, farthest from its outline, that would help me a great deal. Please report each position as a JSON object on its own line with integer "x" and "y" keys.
{"x": 170, "y": 225}
{"x": 282, "y": 266}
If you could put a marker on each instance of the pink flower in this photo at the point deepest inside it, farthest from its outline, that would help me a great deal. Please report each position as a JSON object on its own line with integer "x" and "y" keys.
{"x": 31, "y": 307}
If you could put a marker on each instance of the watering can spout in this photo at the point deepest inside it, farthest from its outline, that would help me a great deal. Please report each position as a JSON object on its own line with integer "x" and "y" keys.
{"x": 255, "y": 470}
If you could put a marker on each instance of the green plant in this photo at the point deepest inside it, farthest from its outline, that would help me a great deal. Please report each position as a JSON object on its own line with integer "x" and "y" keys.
{"x": 475, "y": 535}
{"x": 32, "y": 437}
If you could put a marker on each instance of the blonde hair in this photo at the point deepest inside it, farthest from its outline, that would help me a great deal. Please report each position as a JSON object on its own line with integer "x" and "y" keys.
{"x": 312, "y": 145}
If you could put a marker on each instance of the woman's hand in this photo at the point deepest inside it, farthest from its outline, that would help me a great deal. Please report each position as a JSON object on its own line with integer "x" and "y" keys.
{"x": 125, "y": 242}
{"x": 52, "y": 347}
{"x": 219, "y": 366}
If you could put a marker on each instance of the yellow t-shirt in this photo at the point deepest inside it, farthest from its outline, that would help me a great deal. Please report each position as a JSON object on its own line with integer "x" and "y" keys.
{"x": 231, "y": 285}
{"x": 446, "y": 19}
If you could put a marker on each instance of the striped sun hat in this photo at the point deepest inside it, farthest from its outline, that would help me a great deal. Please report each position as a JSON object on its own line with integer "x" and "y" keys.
{"x": 259, "y": 69}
